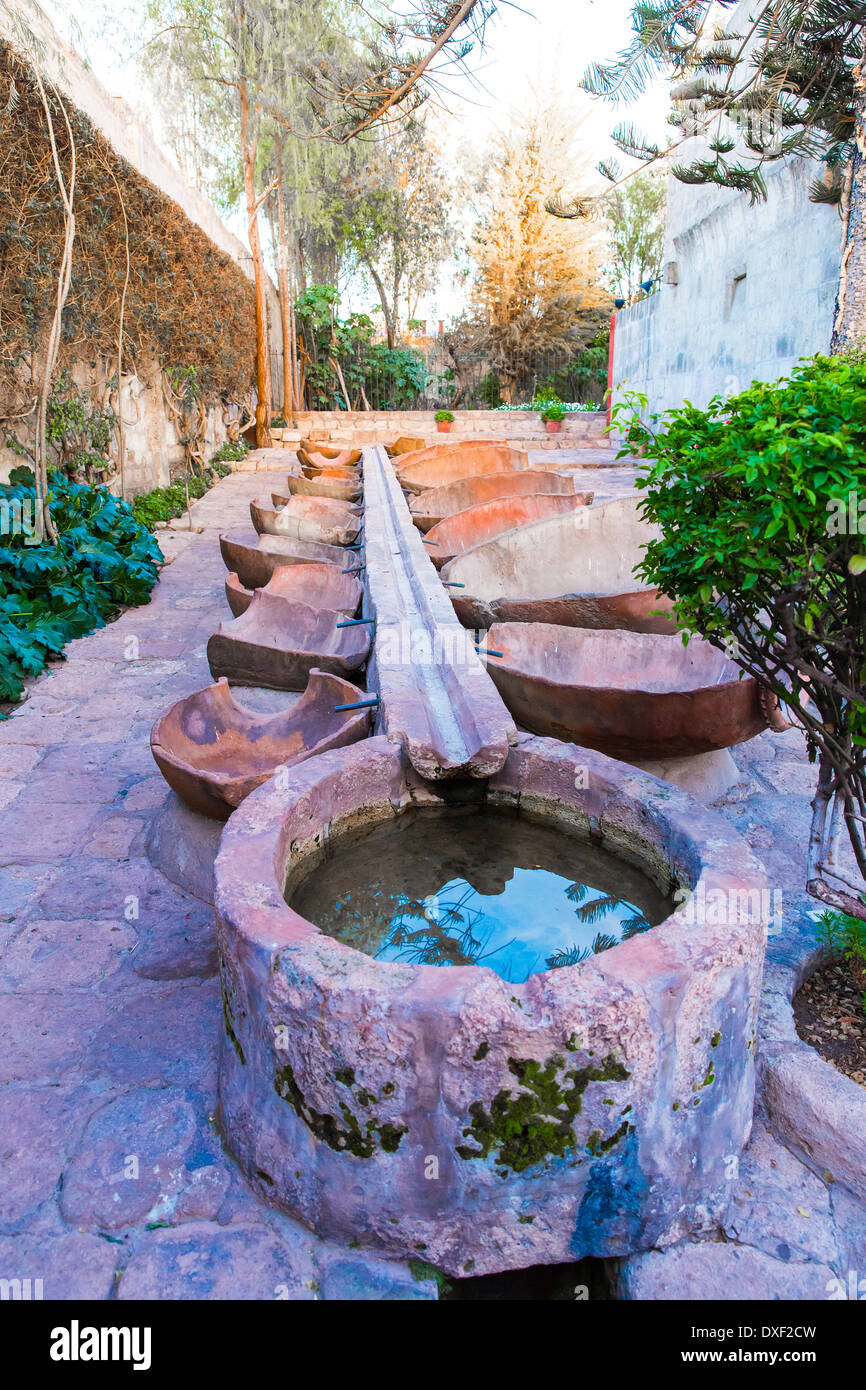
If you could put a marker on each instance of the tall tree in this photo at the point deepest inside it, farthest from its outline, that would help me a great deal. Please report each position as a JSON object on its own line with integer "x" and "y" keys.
{"x": 637, "y": 234}
{"x": 537, "y": 282}
{"x": 314, "y": 69}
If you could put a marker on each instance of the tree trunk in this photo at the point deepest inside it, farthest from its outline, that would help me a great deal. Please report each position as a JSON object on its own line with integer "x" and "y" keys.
{"x": 387, "y": 310}
{"x": 850, "y": 324}
{"x": 285, "y": 293}
{"x": 263, "y": 355}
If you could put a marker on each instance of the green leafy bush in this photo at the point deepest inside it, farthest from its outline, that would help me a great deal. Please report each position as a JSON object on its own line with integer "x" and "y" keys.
{"x": 104, "y": 560}
{"x": 761, "y": 501}
{"x": 444, "y": 417}
{"x": 844, "y": 938}
{"x": 231, "y": 453}
{"x": 555, "y": 411}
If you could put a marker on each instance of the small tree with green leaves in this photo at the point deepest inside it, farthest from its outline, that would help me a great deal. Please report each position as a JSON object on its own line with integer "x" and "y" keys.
{"x": 761, "y": 501}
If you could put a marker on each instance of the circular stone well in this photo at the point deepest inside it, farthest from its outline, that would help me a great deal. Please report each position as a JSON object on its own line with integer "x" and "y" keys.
{"x": 450, "y": 1115}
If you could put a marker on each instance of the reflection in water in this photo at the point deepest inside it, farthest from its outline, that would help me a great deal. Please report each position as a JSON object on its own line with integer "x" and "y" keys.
{"x": 467, "y": 887}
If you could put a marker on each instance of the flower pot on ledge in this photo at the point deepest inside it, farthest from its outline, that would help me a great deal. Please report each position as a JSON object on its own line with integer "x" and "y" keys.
{"x": 553, "y": 426}
{"x": 444, "y": 426}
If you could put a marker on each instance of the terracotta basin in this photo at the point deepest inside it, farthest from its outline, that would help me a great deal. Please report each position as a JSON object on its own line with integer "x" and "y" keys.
{"x": 478, "y": 524}
{"x": 315, "y": 519}
{"x": 405, "y": 445}
{"x": 330, "y": 451}
{"x": 324, "y": 487}
{"x": 451, "y": 467}
{"x": 254, "y": 558}
{"x": 631, "y": 695}
{"x": 575, "y": 570}
{"x": 282, "y": 499}
{"x": 213, "y": 752}
{"x": 319, "y": 586}
{"x": 432, "y": 451}
{"x": 437, "y": 503}
{"x": 327, "y": 465}
{"x": 277, "y": 642}
{"x": 334, "y": 475}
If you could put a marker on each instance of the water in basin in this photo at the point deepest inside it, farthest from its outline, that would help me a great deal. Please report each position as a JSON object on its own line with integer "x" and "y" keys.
{"x": 475, "y": 887}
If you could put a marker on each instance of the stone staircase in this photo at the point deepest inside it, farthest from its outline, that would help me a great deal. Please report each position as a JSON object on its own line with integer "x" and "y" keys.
{"x": 524, "y": 429}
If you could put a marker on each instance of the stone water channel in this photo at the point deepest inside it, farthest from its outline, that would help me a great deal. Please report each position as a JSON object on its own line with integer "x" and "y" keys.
{"x": 251, "y": 1180}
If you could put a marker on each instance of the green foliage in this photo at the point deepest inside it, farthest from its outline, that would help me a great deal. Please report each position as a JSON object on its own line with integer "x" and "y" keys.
{"x": 844, "y": 938}
{"x": 777, "y": 83}
{"x": 444, "y": 417}
{"x": 233, "y": 451}
{"x": 637, "y": 224}
{"x": 164, "y": 503}
{"x": 104, "y": 560}
{"x": 78, "y": 431}
{"x": 553, "y": 411}
{"x": 390, "y": 378}
{"x": 763, "y": 545}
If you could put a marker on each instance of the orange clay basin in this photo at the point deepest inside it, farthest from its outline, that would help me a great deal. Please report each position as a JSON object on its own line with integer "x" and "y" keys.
{"x": 437, "y": 503}
{"x": 213, "y": 752}
{"x": 324, "y": 487}
{"x": 449, "y": 466}
{"x": 432, "y": 451}
{"x": 631, "y": 695}
{"x": 277, "y": 642}
{"x": 330, "y": 451}
{"x": 478, "y": 524}
{"x": 404, "y": 445}
{"x": 307, "y": 519}
{"x": 329, "y": 474}
{"x": 254, "y": 558}
{"x": 319, "y": 586}
{"x": 577, "y": 570}
{"x": 315, "y": 460}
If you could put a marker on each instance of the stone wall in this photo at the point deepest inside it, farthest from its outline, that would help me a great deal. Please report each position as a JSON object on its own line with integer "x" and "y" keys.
{"x": 154, "y": 450}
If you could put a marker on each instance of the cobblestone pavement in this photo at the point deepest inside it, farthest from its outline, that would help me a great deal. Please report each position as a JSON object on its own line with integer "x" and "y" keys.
{"x": 114, "y": 1183}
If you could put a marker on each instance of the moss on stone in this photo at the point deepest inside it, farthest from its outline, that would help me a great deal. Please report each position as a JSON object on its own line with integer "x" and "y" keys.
{"x": 537, "y": 1123}
{"x": 349, "y": 1137}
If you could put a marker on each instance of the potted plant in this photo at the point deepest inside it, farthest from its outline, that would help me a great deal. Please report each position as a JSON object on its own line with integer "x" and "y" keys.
{"x": 444, "y": 421}
{"x": 553, "y": 416}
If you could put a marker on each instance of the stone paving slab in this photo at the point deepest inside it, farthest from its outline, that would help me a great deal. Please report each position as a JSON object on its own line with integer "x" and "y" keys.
{"x": 110, "y": 1010}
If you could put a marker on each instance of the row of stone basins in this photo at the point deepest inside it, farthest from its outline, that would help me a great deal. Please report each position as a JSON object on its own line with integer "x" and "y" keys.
{"x": 469, "y": 1016}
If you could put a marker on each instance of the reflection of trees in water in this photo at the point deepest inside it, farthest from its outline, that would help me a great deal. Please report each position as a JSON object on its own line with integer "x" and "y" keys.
{"x": 448, "y": 936}
{"x": 589, "y": 913}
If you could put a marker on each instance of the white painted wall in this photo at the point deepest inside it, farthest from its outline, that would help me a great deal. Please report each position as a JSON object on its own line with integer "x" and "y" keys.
{"x": 756, "y": 286}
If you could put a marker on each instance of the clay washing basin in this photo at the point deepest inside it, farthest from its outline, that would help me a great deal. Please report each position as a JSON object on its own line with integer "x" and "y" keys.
{"x": 330, "y": 451}
{"x": 453, "y": 465}
{"x": 316, "y": 519}
{"x": 575, "y": 570}
{"x": 478, "y": 524}
{"x": 432, "y": 451}
{"x": 631, "y": 695}
{"x": 254, "y": 558}
{"x": 277, "y": 642}
{"x": 404, "y": 445}
{"x": 437, "y": 503}
{"x": 319, "y": 586}
{"x": 213, "y": 752}
{"x": 319, "y": 463}
{"x": 283, "y": 499}
{"x": 324, "y": 487}
{"x": 333, "y": 475}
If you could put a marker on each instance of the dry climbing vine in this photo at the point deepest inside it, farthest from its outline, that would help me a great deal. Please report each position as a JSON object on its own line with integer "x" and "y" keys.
{"x": 185, "y": 302}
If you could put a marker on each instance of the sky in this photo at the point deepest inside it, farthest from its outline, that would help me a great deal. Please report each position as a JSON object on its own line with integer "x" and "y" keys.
{"x": 528, "y": 43}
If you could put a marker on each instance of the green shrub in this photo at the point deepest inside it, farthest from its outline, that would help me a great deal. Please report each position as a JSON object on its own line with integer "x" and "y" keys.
{"x": 444, "y": 417}
{"x": 554, "y": 411}
{"x": 761, "y": 501}
{"x": 231, "y": 452}
{"x": 104, "y": 560}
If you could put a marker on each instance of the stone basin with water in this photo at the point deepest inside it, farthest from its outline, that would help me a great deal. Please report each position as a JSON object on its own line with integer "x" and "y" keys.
{"x": 460, "y": 886}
